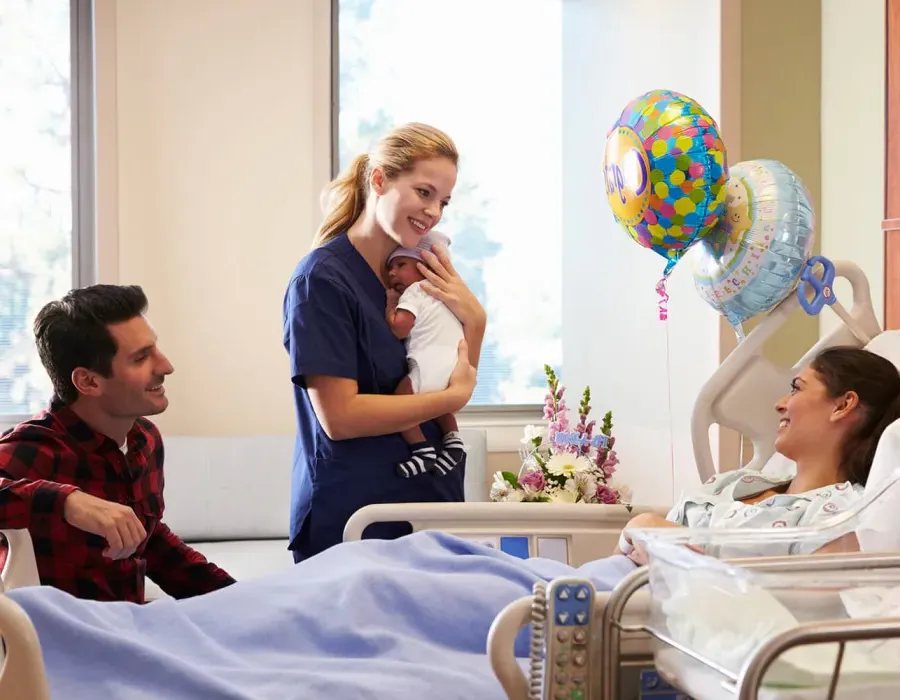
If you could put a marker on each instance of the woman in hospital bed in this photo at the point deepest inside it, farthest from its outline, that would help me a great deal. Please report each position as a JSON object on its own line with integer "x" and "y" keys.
{"x": 829, "y": 426}
{"x": 402, "y": 618}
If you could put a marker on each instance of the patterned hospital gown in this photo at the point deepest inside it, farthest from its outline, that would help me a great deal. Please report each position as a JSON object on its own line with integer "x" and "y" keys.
{"x": 716, "y": 506}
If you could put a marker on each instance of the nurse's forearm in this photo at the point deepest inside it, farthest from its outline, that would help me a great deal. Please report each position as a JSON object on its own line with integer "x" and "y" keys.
{"x": 370, "y": 415}
{"x": 344, "y": 413}
{"x": 474, "y": 333}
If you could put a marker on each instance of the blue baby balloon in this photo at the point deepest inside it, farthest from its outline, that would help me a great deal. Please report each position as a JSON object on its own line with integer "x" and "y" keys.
{"x": 753, "y": 259}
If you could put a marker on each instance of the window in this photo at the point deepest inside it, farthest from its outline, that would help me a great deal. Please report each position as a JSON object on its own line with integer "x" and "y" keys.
{"x": 46, "y": 188}
{"x": 497, "y": 90}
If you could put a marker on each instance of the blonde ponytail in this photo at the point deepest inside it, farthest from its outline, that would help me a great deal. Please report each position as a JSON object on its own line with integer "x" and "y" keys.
{"x": 396, "y": 152}
{"x": 344, "y": 200}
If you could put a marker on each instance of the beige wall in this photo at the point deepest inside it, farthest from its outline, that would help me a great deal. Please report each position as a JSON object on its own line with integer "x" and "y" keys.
{"x": 781, "y": 106}
{"x": 780, "y": 100}
{"x": 212, "y": 153}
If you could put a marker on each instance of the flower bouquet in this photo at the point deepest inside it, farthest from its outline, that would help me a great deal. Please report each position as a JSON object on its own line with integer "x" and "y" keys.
{"x": 562, "y": 465}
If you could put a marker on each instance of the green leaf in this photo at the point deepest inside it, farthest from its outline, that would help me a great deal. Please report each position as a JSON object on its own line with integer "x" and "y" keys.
{"x": 511, "y": 478}
{"x": 556, "y": 479}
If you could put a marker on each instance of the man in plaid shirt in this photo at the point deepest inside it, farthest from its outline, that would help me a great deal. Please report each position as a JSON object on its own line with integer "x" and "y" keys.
{"x": 85, "y": 476}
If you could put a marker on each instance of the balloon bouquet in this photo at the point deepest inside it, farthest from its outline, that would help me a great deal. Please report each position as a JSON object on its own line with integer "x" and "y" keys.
{"x": 669, "y": 185}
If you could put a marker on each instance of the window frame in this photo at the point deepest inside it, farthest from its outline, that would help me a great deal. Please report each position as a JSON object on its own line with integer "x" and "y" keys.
{"x": 504, "y": 423}
{"x": 81, "y": 72}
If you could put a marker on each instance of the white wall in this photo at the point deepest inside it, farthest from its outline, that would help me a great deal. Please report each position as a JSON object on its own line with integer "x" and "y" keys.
{"x": 613, "y": 338}
{"x": 853, "y": 135}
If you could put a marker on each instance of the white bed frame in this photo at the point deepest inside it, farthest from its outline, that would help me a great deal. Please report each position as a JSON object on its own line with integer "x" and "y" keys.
{"x": 739, "y": 395}
{"x": 590, "y": 532}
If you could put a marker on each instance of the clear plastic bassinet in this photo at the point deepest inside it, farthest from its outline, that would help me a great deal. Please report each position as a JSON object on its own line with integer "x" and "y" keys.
{"x": 824, "y": 625}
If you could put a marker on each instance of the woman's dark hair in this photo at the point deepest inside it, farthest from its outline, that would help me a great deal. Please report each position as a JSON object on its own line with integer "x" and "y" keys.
{"x": 74, "y": 332}
{"x": 876, "y": 381}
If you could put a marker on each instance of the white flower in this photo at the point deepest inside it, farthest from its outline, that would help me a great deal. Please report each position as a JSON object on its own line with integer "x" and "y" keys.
{"x": 503, "y": 491}
{"x": 586, "y": 484}
{"x": 563, "y": 496}
{"x": 567, "y": 494}
{"x": 623, "y": 489}
{"x": 514, "y": 496}
{"x": 567, "y": 464}
{"x": 532, "y": 433}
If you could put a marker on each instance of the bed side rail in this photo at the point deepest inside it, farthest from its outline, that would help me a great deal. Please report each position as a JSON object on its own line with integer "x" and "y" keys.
{"x": 20, "y": 568}
{"x": 590, "y": 530}
{"x": 22, "y": 673}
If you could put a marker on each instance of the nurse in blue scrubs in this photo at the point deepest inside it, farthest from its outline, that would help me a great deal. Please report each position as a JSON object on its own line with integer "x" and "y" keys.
{"x": 345, "y": 361}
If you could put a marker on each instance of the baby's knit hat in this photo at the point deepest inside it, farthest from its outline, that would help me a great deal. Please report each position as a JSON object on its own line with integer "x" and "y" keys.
{"x": 429, "y": 239}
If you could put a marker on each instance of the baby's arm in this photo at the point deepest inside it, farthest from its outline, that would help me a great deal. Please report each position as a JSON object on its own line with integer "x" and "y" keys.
{"x": 401, "y": 321}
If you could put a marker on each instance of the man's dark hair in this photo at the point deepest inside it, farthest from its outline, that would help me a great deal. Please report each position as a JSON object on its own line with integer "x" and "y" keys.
{"x": 74, "y": 332}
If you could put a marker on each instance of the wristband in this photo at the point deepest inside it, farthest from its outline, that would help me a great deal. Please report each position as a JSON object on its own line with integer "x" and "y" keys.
{"x": 624, "y": 545}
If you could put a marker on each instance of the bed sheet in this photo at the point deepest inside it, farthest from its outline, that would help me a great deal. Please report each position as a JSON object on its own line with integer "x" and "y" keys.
{"x": 401, "y": 619}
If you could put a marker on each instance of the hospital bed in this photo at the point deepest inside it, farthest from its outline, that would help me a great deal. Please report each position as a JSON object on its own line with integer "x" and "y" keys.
{"x": 740, "y": 395}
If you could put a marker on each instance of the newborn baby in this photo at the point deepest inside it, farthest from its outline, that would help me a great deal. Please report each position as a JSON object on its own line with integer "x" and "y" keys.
{"x": 432, "y": 334}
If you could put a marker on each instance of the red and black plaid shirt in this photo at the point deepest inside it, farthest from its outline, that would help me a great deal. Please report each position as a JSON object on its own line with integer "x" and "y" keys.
{"x": 44, "y": 459}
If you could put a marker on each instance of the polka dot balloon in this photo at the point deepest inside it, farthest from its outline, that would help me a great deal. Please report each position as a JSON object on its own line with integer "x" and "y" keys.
{"x": 665, "y": 170}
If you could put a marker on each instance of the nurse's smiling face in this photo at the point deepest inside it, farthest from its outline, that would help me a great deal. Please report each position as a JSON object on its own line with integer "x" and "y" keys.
{"x": 413, "y": 203}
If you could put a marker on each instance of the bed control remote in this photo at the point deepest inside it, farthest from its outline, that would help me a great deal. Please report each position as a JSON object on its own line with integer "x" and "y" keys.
{"x": 570, "y": 602}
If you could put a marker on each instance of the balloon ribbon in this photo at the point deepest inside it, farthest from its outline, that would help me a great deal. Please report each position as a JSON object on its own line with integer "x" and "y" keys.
{"x": 663, "y": 302}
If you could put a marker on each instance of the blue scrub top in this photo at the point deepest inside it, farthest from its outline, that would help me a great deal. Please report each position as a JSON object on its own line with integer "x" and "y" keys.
{"x": 334, "y": 325}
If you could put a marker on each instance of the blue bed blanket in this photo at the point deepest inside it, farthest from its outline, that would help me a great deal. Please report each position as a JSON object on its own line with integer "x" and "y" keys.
{"x": 402, "y": 619}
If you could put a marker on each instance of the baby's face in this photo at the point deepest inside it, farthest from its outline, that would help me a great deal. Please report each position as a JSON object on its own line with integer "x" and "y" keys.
{"x": 402, "y": 272}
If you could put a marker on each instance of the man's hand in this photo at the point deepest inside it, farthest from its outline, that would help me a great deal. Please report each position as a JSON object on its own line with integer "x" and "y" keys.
{"x": 116, "y": 523}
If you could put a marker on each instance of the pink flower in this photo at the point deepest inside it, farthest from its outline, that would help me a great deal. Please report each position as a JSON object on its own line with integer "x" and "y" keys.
{"x": 562, "y": 417}
{"x": 609, "y": 466}
{"x": 606, "y": 495}
{"x": 533, "y": 481}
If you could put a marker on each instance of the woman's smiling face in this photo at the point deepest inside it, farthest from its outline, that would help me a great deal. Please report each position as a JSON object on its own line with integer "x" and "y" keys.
{"x": 412, "y": 204}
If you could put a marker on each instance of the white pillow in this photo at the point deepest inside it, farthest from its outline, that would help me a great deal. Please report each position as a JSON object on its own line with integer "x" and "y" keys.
{"x": 879, "y": 528}
{"x": 880, "y": 522}
{"x": 887, "y": 344}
